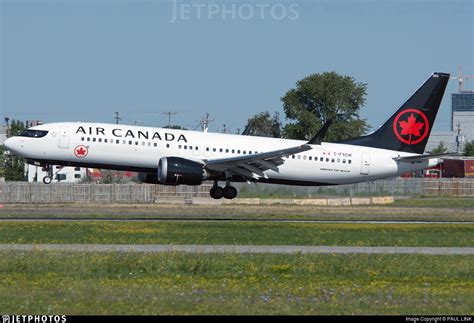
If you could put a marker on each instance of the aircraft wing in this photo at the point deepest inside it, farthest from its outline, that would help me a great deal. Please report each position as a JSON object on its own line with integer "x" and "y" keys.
{"x": 253, "y": 166}
{"x": 418, "y": 158}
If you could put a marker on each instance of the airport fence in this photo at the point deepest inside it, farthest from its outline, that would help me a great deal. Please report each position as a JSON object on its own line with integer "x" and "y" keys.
{"x": 20, "y": 192}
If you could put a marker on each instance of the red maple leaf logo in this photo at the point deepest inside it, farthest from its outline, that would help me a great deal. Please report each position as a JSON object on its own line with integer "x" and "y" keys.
{"x": 411, "y": 127}
{"x": 80, "y": 151}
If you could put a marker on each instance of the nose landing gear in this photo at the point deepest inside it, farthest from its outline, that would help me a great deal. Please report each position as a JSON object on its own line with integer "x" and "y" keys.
{"x": 48, "y": 178}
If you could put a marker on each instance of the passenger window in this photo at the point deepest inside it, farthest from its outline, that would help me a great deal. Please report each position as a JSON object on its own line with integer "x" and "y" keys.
{"x": 82, "y": 138}
{"x": 227, "y": 150}
{"x": 321, "y": 159}
{"x": 214, "y": 149}
{"x": 238, "y": 151}
{"x": 293, "y": 156}
{"x": 105, "y": 140}
{"x": 233, "y": 151}
{"x": 349, "y": 161}
{"x": 179, "y": 146}
{"x": 94, "y": 139}
{"x": 332, "y": 160}
{"x": 167, "y": 145}
{"x": 327, "y": 159}
{"x": 310, "y": 158}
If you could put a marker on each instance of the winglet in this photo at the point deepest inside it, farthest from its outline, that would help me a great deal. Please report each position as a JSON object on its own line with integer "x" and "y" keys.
{"x": 316, "y": 140}
{"x": 246, "y": 132}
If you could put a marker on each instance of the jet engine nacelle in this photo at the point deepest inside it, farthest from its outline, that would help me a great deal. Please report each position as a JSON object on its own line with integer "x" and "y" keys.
{"x": 180, "y": 171}
{"x": 148, "y": 178}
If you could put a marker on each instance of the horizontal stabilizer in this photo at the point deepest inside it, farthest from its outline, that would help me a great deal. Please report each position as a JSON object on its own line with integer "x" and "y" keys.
{"x": 424, "y": 157}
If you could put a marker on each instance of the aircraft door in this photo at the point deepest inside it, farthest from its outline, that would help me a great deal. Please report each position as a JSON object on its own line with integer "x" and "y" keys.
{"x": 64, "y": 137}
{"x": 365, "y": 164}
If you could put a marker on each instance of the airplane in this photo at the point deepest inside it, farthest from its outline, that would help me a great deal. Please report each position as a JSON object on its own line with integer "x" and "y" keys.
{"x": 181, "y": 157}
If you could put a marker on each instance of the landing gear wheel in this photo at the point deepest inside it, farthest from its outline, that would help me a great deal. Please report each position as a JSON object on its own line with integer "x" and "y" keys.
{"x": 47, "y": 180}
{"x": 217, "y": 192}
{"x": 230, "y": 192}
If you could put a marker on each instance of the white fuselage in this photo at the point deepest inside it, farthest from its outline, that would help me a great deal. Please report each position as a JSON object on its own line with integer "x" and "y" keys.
{"x": 140, "y": 148}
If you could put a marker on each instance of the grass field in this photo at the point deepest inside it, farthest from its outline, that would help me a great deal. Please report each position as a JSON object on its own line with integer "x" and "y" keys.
{"x": 450, "y": 203}
{"x": 43, "y": 282}
{"x": 426, "y": 209}
{"x": 76, "y": 283}
{"x": 239, "y": 233}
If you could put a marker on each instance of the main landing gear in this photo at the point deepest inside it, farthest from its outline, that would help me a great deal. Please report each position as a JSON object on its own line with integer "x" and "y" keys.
{"x": 48, "y": 178}
{"x": 218, "y": 192}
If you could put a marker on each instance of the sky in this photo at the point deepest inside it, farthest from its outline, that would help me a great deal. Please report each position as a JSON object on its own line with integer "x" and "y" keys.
{"x": 84, "y": 60}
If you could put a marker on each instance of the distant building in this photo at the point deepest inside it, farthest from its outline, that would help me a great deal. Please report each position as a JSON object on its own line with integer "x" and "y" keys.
{"x": 32, "y": 123}
{"x": 61, "y": 174}
{"x": 462, "y": 121}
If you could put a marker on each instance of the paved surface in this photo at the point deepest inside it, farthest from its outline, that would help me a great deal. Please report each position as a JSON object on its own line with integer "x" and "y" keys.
{"x": 83, "y": 219}
{"x": 237, "y": 249}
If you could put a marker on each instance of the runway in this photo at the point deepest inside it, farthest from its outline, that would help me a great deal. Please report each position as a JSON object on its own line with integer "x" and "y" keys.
{"x": 197, "y": 219}
{"x": 237, "y": 249}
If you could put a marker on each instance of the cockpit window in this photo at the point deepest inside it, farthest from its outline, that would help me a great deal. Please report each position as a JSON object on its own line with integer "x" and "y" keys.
{"x": 33, "y": 133}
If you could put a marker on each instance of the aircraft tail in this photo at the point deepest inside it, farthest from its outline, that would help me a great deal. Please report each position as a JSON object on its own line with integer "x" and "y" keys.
{"x": 409, "y": 128}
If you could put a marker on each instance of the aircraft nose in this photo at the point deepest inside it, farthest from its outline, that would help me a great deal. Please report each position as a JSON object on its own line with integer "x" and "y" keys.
{"x": 9, "y": 144}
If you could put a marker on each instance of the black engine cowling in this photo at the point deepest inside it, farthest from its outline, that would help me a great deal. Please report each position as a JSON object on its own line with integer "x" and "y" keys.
{"x": 177, "y": 171}
{"x": 149, "y": 178}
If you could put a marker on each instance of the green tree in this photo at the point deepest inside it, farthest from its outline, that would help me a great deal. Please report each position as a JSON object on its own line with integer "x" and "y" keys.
{"x": 469, "y": 149}
{"x": 14, "y": 167}
{"x": 17, "y": 127}
{"x": 264, "y": 125}
{"x": 320, "y": 97}
{"x": 439, "y": 149}
{"x": 2, "y": 161}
